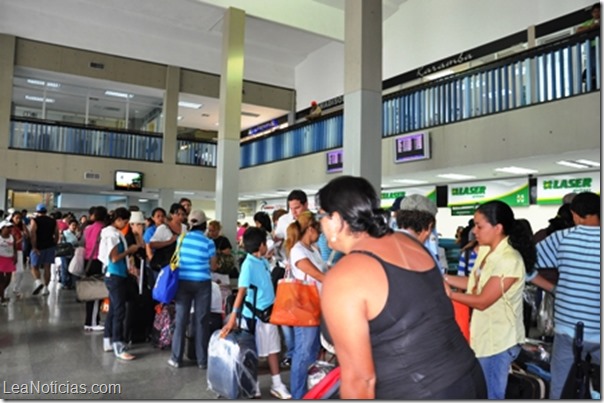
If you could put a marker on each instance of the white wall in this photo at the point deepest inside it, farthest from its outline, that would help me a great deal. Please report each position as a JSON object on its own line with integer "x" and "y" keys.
{"x": 424, "y": 31}
{"x": 538, "y": 216}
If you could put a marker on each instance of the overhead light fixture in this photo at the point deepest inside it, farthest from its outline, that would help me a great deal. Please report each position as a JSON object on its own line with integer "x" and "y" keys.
{"x": 410, "y": 181}
{"x": 572, "y": 164}
{"x": 516, "y": 170}
{"x": 43, "y": 83}
{"x": 179, "y": 117}
{"x": 178, "y": 192}
{"x": 39, "y": 99}
{"x": 588, "y": 162}
{"x": 439, "y": 74}
{"x": 191, "y": 105}
{"x": 456, "y": 176}
{"x": 143, "y": 200}
{"x": 118, "y": 94}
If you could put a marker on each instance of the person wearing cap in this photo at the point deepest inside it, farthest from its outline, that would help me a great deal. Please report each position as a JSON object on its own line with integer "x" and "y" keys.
{"x": 422, "y": 203}
{"x": 8, "y": 257}
{"x": 196, "y": 261}
{"x": 315, "y": 111}
{"x": 44, "y": 237}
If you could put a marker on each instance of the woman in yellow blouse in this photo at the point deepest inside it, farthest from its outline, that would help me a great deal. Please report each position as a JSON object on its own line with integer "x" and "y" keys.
{"x": 494, "y": 291}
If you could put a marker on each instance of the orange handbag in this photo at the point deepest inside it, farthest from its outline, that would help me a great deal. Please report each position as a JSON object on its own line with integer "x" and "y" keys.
{"x": 462, "y": 317}
{"x": 297, "y": 303}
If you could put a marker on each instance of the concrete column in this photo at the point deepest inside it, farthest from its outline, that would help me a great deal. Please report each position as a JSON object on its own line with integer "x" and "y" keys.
{"x": 171, "y": 114}
{"x": 231, "y": 86}
{"x": 166, "y": 198}
{"x": 3, "y": 194}
{"x": 7, "y": 69}
{"x": 363, "y": 90}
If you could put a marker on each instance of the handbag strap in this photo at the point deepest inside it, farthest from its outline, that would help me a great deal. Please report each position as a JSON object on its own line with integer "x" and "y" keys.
{"x": 176, "y": 255}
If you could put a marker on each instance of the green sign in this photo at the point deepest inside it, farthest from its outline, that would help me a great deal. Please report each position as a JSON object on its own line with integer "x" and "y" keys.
{"x": 551, "y": 189}
{"x": 514, "y": 192}
{"x": 464, "y": 210}
{"x": 389, "y": 197}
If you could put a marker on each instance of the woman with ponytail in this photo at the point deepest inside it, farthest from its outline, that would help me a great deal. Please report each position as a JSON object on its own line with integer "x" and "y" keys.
{"x": 494, "y": 291}
{"x": 305, "y": 263}
{"x": 385, "y": 306}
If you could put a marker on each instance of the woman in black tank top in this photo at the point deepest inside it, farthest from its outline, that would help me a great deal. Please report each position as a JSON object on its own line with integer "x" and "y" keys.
{"x": 385, "y": 306}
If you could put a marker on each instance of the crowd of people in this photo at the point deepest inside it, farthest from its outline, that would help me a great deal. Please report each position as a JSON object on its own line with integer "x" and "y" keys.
{"x": 385, "y": 299}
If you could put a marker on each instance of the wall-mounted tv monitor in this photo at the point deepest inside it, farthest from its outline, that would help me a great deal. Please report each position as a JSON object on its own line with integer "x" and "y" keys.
{"x": 335, "y": 163}
{"x": 128, "y": 181}
{"x": 412, "y": 147}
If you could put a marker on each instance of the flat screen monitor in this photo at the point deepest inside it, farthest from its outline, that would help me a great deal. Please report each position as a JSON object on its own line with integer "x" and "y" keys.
{"x": 128, "y": 181}
{"x": 412, "y": 147}
{"x": 335, "y": 162}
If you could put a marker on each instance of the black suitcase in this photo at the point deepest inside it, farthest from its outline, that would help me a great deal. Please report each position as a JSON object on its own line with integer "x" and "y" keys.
{"x": 233, "y": 363}
{"x": 522, "y": 385}
{"x": 140, "y": 310}
{"x": 215, "y": 323}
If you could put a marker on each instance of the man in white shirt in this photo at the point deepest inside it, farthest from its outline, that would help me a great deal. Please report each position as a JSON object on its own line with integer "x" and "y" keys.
{"x": 297, "y": 202}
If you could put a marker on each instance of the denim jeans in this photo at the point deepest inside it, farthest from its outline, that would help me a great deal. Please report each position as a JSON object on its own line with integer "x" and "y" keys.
{"x": 200, "y": 293}
{"x": 114, "y": 323}
{"x": 496, "y": 368}
{"x": 66, "y": 278}
{"x": 288, "y": 338}
{"x": 562, "y": 359}
{"x": 306, "y": 351}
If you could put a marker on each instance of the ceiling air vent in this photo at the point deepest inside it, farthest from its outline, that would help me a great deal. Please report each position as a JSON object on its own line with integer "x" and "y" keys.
{"x": 97, "y": 65}
{"x": 253, "y": 115}
{"x": 92, "y": 176}
{"x": 112, "y": 108}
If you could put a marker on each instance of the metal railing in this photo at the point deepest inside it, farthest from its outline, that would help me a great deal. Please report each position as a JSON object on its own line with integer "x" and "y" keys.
{"x": 56, "y": 137}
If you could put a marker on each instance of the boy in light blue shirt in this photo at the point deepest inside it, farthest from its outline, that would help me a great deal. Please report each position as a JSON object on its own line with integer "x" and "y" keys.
{"x": 256, "y": 276}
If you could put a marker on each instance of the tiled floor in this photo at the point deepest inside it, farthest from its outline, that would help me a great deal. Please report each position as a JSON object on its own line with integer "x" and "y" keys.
{"x": 43, "y": 344}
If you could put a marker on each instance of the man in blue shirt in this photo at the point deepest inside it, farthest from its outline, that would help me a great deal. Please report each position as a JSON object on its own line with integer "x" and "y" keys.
{"x": 575, "y": 252}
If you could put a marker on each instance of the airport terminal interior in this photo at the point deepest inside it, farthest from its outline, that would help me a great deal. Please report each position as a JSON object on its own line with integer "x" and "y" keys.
{"x": 232, "y": 104}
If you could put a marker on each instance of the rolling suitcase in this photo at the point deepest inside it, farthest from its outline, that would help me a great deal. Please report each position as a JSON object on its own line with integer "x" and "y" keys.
{"x": 233, "y": 363}
{"x": 522, "y": 385}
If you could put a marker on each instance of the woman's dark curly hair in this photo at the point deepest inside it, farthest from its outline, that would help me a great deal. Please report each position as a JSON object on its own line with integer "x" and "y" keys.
{"x": 355, "y": 199}
{"x": 520, "y": 235}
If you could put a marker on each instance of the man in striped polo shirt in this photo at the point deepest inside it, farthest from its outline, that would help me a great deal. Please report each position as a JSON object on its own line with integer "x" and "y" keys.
{"x": 575, "y": 252}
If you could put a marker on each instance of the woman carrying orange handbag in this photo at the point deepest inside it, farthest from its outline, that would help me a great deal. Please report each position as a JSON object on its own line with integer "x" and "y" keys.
{"x": 305, "y": 264}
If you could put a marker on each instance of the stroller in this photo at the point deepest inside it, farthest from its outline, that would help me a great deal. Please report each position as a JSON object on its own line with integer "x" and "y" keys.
{"x": 583, "y": 381}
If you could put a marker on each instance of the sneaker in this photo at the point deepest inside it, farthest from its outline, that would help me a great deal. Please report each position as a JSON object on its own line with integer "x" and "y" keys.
{"x": 202, "y": 366}
{"x": 4, "y": 301}
{"x": 126, "y": 356}
{"x": 285, "y": 363}
{"x": 45, "y": 290}
{"x": 107, "y": 346}
{"x": 38, "y": 285}
{"x": 280, "y": 392}
{"x": 173, "y": 363}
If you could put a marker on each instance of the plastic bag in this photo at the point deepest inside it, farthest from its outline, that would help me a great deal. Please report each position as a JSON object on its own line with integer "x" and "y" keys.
{"x": 317, "y": 371}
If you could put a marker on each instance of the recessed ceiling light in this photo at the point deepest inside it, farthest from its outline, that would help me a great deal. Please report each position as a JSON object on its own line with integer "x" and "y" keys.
{"x": 39, "y": 99}
{"x": 43, "y": 83}
{"x": 118, "y": 94}
{"x": 572, "y": 164}
{"x": 143, "y": 200}
{"x": 179, "y": 117}
{"x": 410, "y": 181}
{"x": 516, "y": 170}
{"x": 191, "y": 105}
{"x": 589, "y": 162}
{"x": 456, "y": 176}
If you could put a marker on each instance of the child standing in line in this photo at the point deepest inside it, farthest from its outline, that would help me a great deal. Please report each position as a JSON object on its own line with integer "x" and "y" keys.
{"x": 255, "y": 271}
{"x": 8, "y": 258}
